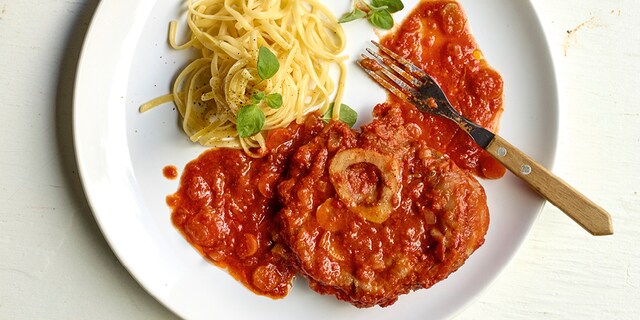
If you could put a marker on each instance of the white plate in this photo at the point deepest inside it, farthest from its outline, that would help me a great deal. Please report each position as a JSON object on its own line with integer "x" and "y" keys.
{"x": 121, "y": 153}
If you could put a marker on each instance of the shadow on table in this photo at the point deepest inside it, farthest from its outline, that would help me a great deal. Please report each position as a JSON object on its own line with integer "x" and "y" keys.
{"x": 64, "y": 137}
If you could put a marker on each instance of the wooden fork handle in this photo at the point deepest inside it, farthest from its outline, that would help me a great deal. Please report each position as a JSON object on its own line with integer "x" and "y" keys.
{"x": 582, "y": 210}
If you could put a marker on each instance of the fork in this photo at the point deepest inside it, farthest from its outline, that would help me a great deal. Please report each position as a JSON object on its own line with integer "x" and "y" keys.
{"x": 412, "y": 84}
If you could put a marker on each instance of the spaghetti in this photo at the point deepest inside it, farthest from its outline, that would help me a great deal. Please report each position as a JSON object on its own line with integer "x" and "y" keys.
{"x": 303, "y": 34}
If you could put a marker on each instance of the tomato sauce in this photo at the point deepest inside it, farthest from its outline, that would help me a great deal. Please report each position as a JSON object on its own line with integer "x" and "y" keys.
{"x": 225, "y": 208}
{"x": 436, "y": 38}
{"x": 170, "y": 172}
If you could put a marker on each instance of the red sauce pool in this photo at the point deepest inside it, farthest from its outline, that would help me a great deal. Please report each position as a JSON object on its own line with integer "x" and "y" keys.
{"x": 170, "y": 172}
{"x": 226, "y": 204}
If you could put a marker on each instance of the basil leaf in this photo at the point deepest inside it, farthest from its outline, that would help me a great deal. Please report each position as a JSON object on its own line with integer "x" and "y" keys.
{"x": 268, "y": 63}
{"x": 250, "y": 120}
{"x": 392, "y": 5}
{"x": 353, "y": 15}
{"x": 257, "y": 97}
{"x": 274, "y": 100}
{"x": 327, "y": 115}
{"x": 376, "y": 9}
{"x": 347, "y": 115}
{"x": 382, "y": 19}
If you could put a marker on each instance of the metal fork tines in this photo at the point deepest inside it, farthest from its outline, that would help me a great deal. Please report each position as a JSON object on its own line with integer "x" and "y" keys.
{"x": 410, "y": 83}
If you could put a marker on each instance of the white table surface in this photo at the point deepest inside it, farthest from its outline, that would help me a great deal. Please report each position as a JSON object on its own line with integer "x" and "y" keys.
{"x": 55, "y": 263}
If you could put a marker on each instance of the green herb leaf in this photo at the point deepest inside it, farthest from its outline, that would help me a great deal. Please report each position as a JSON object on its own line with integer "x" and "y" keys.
{"x": 257, "y": 97}
{"x": 381, "y": 19}
{"x": 274, "y": 100}
{"x": 392, "y": 5}
{"x": 250, "y": 120}
{"x": 268, "y": 63}
{"x": 353, "y": 15}
{"x": 347, "y": 115}
{"x": 378, "y": 12}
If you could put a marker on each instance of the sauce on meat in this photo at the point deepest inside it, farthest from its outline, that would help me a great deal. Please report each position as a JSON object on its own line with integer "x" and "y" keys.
{"x": 225, "y": 208}
{"x": 436, "y": 38}
{"x": 429, "y": 228}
